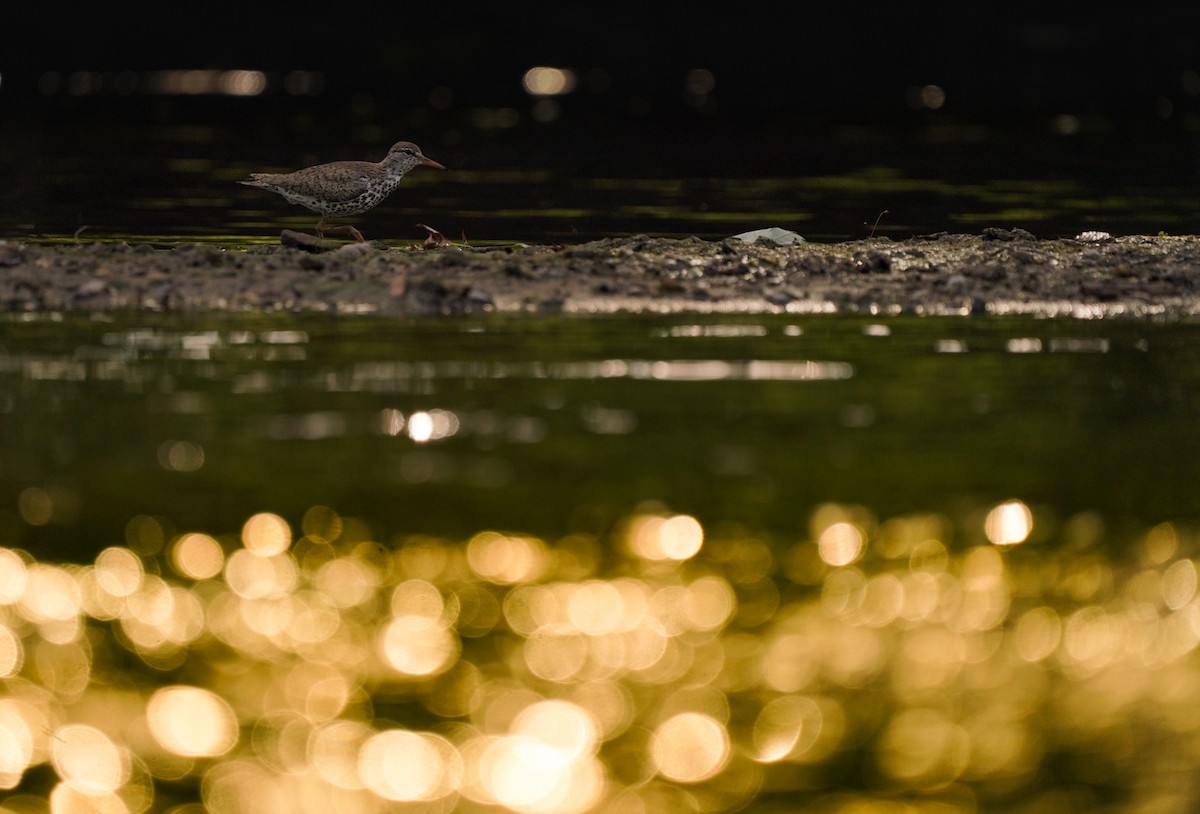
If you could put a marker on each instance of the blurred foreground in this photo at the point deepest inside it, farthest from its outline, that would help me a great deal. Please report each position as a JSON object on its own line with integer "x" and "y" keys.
{"x": 296, "y": 563}
{"x": 896, "y": 665}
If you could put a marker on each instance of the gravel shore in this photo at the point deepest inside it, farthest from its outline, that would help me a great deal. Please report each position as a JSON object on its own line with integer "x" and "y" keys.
{"x": 999, "y": 271}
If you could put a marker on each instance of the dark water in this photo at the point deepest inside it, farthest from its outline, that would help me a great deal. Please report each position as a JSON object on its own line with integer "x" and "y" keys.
{"x": 619, "y": 564}
{"x": 169, "y": 174}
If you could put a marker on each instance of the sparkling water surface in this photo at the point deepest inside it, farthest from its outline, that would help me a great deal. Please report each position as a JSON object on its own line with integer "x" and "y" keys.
{"x": 281, "y": 563}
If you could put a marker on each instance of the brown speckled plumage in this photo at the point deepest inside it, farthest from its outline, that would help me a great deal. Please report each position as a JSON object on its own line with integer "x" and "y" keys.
{"x": 344, "y": 187}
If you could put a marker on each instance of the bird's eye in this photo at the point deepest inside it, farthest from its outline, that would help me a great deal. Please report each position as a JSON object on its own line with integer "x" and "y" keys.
{"x": 406, "y": 150}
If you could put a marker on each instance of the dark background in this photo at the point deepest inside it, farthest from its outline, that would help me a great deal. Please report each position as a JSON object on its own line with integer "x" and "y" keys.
{"x": 1104, "y": 103}
{"x": 841, "y": 59}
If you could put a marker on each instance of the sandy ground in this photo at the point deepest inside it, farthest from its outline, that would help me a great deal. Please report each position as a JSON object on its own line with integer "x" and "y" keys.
{"x": 995, "y": 272}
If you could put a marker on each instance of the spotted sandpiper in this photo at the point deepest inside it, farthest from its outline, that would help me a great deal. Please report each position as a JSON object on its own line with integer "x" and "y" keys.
{"x": 344, "y": 187}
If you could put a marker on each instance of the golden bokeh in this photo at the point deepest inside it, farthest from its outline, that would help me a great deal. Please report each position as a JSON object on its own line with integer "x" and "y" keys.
{"x": 689, "y": 747}
{"x": 12, "y": 652}
{"x": 417, "y": 645}
{"x": 507, "y": 559}
{"x": 87, "y": 760}
{"x": 266, "y": 534}
{"x": 21, "y": 739}
{"x": 654, "y": 537}
{"x": 66, "y": 799}
{"x": 546, "y": 81}
{"x": 667, "y": 667}
{"x": 840, "y": 543}
{"x": 409, "y": 766}
{"x": 192, "y": 721}
{"x": 119, "y": 571}
{"x": 13, "y": 576}
{"x": 1009, "y": 523}
{"x": 197, "y": 556}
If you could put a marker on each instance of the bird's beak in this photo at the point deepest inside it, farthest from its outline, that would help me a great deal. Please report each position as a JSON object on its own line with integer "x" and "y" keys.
{"x": 429, "y": 162}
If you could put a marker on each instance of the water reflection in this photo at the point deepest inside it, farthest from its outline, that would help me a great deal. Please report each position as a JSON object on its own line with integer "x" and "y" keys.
{"x": 876, "y": 663}
{"x": 748, "y": 418}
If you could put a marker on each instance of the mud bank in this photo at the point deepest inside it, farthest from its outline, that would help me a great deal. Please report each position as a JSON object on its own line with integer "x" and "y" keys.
{"x": 995, "y": 272}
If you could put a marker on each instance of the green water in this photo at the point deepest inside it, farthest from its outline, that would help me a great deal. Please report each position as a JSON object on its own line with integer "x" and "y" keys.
{"x": 694, "y": 564}
{"x": 560, "y": 420}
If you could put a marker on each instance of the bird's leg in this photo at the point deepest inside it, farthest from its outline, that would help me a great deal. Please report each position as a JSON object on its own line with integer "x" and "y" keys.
{"x": 321, "y": 230}
{"x": 347, "y": 228}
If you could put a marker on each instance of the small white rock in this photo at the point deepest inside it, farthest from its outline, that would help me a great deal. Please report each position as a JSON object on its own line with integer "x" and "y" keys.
{"x": 773, "y": 234}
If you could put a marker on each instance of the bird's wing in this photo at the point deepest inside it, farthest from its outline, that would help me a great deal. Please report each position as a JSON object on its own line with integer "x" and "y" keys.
{"x": 339, "y": 181}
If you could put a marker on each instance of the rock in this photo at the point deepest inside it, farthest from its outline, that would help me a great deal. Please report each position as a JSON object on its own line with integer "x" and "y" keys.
{"x": 772, "y": 234}
{"x": 10, "y": 255}
{"x": 305, "y": 242}
{"x": 356, "y": 249}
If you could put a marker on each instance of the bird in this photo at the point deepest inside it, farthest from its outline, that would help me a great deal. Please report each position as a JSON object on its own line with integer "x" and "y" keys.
{"x": 344, "y": 187}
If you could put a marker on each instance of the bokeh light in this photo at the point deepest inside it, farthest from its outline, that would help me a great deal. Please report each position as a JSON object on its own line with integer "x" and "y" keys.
{"x": 18, "y": 745}
{"x": 409, "y": 766}
{"x": 924, "y": 749}
{"x": 51, "y": 594}
{"x": 677, "y": 537}
{"x": 841, "y": 543}
{"x": 192, "y": 721}
{"x": 197, "y": 556}
{"x": 1009, "y": 523}
{"x": 665, "y": 666}
{"x": 545, "y": 81}
{"x": 12, "y": 652}
{"x": 13, "y": 576}
{"x": 526, "y": 774}
{"x": 180, "y": 456}
{"x": 690, "y": 747}
{"x": 256, "y": 576}
{"x": 266, "y": 534}
{"x": 506, "y": 559}
{"x": 88, "y": 760}
{"x": 118, "y": 571}
{"x": 418, "y": 645}
{"x": 36, "y": 506}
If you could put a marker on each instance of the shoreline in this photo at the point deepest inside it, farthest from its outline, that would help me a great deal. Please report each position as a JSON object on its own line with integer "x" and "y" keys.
{"x": 997, "y": 272}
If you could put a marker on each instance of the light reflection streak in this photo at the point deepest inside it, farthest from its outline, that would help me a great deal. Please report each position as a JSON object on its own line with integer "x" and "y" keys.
{"x": 672, "y": 664}
{"x": 722, "y": 330}
{"x": 117, "y": 358}
{"x": 387, "y": 376}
